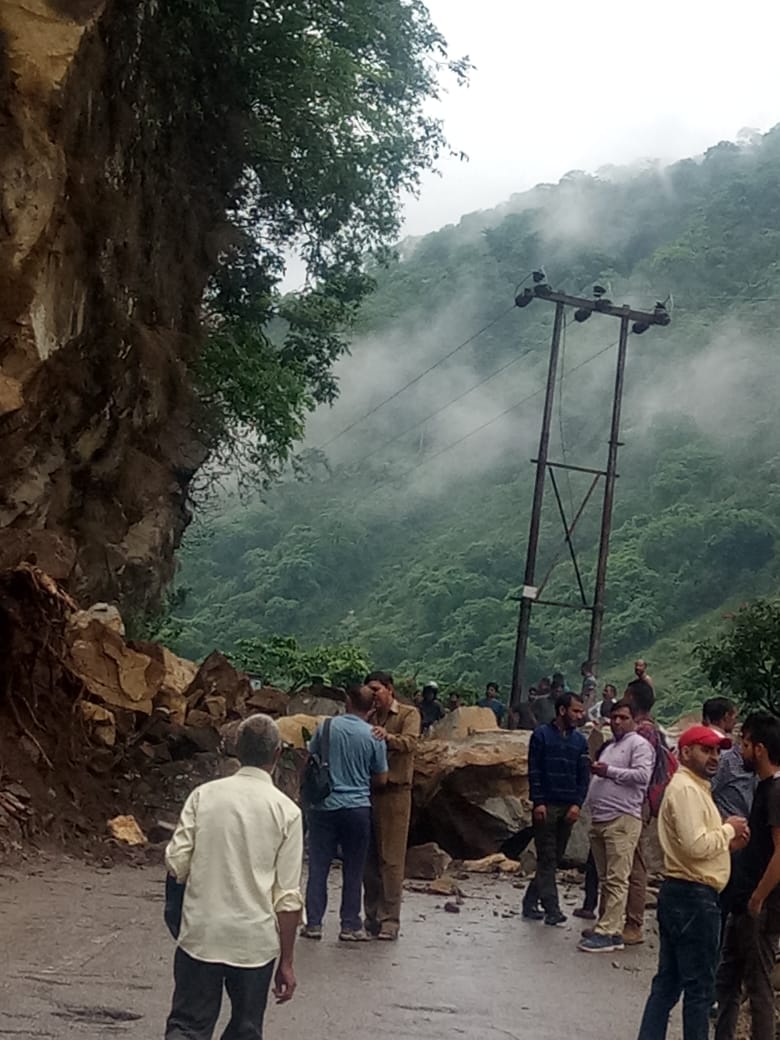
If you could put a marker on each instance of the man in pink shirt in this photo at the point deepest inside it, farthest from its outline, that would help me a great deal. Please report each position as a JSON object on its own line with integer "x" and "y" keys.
{"x": 617, "y": 792}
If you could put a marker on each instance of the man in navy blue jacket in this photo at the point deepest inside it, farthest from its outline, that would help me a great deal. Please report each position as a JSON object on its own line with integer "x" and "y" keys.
{"x": 559, "y": 773}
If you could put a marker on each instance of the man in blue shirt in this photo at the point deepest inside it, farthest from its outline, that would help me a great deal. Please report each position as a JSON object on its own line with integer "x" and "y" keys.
{"x": 490, "y": 700}
{"x": 733, "y": 785}
{"x": 559, "y": 774}
{"x": 357, "y": 761}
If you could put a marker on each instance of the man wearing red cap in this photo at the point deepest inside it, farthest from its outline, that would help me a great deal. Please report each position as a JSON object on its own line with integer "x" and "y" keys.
{"x": 696, "y": 846}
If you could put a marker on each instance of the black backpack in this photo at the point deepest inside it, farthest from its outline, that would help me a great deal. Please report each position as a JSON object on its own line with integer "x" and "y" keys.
{"x": 317, "y": 783}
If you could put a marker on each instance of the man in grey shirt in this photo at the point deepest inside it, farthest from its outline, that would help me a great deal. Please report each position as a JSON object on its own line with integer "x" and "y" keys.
{"x": 733, "y": 786}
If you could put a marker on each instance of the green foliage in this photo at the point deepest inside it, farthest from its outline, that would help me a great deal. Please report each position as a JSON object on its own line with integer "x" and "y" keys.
{"x": 305, "y": 121}
{"x": 282, "y": 662}
{"x": 420, "y": 567}
{"x": 745, "y": 660}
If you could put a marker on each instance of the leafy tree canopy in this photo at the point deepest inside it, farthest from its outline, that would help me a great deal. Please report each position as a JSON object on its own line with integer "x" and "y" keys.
{"x": 311, "y": 118}
{"x": 744, "y": 661}
{"x": 281, "y": 661}
{"x": 413, "y": 550}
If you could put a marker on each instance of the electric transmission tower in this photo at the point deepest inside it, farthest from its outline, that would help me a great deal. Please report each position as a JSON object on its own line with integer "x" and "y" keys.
{"x": 631, "y": 320}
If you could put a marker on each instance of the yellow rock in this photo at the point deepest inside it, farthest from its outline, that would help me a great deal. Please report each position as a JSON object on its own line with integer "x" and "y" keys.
{"x": 292, "y": 728}
{"x": 463, "y": 723}
{"x": 126, "y": 830}
{"x": 101, "y": 721}
{"x": 498, "y": 862}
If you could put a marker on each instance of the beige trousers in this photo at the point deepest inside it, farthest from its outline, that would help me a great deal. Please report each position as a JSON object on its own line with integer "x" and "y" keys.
{"x": 383, "y": 880}
{"x": 613, "y": 844}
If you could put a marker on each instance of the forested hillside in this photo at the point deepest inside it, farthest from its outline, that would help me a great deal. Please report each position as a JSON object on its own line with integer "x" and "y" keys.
{"x": 406, "y": 534}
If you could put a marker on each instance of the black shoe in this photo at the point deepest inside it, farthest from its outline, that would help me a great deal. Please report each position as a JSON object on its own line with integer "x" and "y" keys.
{"x": 530, "y": 913}
{"x": 556, "y": 917}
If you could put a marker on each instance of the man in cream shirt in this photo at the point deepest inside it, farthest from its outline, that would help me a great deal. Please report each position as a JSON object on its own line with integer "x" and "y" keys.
{"x": 696, "y": 846}
{"x": 239, "y": 848}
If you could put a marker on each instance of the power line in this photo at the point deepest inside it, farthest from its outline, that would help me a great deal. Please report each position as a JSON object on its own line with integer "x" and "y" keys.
{"x": 485, "y": 328}
{"x": 507, "y": 411}
{"x": 442, "y": 408}
{"x": 416, "y": 379}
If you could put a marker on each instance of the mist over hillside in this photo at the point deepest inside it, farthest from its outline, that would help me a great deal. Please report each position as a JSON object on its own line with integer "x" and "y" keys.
{"x": 407, "y": 535}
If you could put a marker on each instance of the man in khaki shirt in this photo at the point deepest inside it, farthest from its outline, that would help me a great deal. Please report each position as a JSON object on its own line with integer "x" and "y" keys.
{"x": 399, "y": 726}
{"x": 696, "y": 846}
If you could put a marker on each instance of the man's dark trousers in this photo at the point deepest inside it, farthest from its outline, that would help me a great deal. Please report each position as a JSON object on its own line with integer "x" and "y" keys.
{"x": 197, "y": 999}
{"x": 329, "y": 830}
{"x": 748, "y": 956}
{"x": 689, "y": 932}
{"x": 551, "y": 836}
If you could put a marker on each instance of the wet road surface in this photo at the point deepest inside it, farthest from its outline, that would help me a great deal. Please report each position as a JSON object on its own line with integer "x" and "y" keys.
{"x": 85, "y": 955}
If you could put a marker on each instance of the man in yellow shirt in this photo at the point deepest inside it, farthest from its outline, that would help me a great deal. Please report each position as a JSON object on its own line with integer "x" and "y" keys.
{"x": 696, "y": 846}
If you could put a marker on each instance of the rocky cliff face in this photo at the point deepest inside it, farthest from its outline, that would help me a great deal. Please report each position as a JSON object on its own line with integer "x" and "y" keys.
{"x": 106, "y": 242}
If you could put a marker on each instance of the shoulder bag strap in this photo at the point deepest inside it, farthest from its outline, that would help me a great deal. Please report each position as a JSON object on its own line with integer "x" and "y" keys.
{"x": 326, "y": 742}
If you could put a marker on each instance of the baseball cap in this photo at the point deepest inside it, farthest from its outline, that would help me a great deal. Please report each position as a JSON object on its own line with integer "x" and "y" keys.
{"x": 705, "y": 737}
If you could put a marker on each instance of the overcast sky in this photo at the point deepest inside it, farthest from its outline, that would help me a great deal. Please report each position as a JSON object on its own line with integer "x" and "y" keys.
{"x": 571, "y": 85}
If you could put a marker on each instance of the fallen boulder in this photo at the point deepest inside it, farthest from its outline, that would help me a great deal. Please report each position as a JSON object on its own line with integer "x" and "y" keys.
{"x": 471, "y": 796}
{"x": 310, "y": 702}
{"x": 497, "y": 863}
{"x": 101, "y": 723}
{"x": 106, "y": 613}
{"x": 217, "y": 677}
{"x": 296, "y": 730}
{"x": 463, "y": 723}
{"x": 126, "y": 830}
{"x": 426, "y": 862}
{"x": 269, "y": 700}
{"x": 111, "y": 671}
{"x": 171, "y": 676}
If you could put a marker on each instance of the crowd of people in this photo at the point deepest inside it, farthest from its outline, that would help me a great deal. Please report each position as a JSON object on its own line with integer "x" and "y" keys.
{"x": 237, "y": 850}
{"x": 717, "y": 806}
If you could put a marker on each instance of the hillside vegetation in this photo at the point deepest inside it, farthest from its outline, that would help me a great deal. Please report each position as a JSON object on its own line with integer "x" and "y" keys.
{"x": 406, "y": 535}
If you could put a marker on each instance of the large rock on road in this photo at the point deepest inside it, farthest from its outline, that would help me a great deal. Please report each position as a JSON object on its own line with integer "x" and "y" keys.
{"x": 471, "y": 795}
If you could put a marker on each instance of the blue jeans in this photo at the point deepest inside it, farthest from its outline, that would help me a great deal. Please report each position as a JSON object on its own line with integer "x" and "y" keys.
{"x": 329, "y": 830}
{"x": 689, "y": 929}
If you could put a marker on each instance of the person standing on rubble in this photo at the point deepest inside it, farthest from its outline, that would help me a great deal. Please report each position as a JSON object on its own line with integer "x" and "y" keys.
{"x": 695, "y": 844}
{"x": 357, "y": 761}
{"x": 589, "y": 684}
{"x": 559, "y": 773}
{"x": 491, "y": 700}
{"x": 238, "y": 845}
{"x": 640, "y": 673}
{"x": 398, "y": 725}
{"x": 431, "y": 708}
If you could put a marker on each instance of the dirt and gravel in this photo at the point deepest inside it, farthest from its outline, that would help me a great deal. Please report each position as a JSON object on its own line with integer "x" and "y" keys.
{"x": 85, "y": 955}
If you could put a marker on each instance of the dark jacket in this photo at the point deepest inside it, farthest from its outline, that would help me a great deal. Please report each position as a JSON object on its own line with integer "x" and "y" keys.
{"x": 558, "y": 766}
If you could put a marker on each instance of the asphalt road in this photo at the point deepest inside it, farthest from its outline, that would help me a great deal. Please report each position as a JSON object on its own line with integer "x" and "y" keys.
{"x": 85, "y": 955}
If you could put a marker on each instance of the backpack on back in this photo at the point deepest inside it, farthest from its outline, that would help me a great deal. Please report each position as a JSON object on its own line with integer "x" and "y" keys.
{"x": 664, "y": 769}
{"x": 317, "y": 783}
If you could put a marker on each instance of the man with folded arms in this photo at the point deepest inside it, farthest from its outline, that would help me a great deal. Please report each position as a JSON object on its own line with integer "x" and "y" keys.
{"x": 615, "y": 799}
{"x": 696, "y": 845}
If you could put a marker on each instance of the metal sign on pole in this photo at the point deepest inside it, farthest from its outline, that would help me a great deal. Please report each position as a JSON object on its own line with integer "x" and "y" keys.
{"x": 637, "y": 321}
